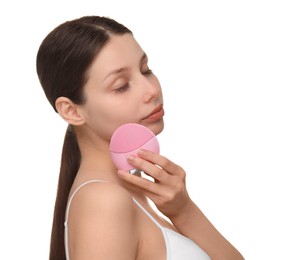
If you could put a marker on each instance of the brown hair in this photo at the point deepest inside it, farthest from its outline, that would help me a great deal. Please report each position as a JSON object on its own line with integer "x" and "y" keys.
{"x": 63, "y": 59}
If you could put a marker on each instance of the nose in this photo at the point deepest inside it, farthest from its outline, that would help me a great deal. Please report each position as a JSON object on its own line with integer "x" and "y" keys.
{"x": 151, "y": 88}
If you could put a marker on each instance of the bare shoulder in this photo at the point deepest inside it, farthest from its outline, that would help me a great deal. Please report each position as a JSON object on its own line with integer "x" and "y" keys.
{"x": 102, "y": 216}
{"x": 102, "y": 194}
{"x": 102, "y": 199}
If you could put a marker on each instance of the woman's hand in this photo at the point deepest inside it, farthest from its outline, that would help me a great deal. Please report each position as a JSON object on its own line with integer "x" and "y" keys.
{"x": 168, "y": 190}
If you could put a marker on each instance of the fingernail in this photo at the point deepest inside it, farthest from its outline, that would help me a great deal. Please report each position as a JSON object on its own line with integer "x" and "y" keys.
{"x": 131, "y": 158}
{"x": 141, "y": 152}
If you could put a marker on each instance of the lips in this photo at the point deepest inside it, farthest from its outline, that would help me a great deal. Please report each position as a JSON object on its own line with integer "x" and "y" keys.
{"x": 156, "y": 114}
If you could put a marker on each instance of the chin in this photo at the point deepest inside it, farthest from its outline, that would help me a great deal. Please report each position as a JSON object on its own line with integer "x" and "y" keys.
{"x": 156, "y": 127}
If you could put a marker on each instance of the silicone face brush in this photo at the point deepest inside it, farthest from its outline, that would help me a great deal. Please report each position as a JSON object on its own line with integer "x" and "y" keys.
{"x": 127, "y": 140}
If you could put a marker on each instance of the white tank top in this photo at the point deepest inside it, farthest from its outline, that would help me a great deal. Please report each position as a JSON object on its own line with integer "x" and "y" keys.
{"x": 178, "y": 247}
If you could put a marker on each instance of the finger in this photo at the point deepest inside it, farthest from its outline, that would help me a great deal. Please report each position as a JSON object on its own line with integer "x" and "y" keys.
{"x": 148, "y": 168}
{"x": 159, "y": 160}
{"x": 153, "y": 191}
{"x": 136, "y": 181}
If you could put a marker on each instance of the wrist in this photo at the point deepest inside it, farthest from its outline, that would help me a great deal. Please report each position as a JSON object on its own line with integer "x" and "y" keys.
{"x": 187, "y": 210}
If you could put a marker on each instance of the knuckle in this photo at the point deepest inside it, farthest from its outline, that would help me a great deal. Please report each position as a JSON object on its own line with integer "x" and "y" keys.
{"x": 169, "y": 196}
{"x": 157, "y": 174}
{"x": 166, "y": 164}
{"x": 140, "y": 163}
{"x": 146, "y": 185}
{"x": 181, "y": 173}
{"x": 178, "y": 186}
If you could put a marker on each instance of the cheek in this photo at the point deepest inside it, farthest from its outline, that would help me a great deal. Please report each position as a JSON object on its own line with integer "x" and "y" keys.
{"x": 105, "y": 114}
{"x": 104, "y": 119}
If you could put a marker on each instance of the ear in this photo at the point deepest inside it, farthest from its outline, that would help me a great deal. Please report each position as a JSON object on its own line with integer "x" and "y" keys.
{"x": 69, "y": 111}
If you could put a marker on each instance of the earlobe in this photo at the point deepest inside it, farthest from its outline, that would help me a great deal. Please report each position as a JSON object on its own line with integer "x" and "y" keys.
{"x": 69, "y": 111}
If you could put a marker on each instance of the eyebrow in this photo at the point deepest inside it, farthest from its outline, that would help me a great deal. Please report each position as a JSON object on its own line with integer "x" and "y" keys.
{"x": 117, "y": 71}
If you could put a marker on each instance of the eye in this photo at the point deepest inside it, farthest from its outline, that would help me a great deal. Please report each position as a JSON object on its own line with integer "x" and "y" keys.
{"x": 123, "y": 88}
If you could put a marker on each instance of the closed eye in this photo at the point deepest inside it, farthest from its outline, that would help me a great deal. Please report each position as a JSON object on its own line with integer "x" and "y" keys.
{"x": 123, "y": 88}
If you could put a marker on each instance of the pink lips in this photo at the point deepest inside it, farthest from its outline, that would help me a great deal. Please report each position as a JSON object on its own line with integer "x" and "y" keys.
{"x": 155, "y": 115}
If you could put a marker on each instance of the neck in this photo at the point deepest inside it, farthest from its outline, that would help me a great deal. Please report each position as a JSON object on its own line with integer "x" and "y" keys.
{"x": 96, "y": 163}
{"x": 96, "y": 160}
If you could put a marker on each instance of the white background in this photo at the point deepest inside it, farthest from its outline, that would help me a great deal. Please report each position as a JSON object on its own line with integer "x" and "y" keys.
{"x": 222, "y": 66}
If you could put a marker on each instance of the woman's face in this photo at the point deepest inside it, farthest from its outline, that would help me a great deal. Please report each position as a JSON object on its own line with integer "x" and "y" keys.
{"x": 122, "y": 89}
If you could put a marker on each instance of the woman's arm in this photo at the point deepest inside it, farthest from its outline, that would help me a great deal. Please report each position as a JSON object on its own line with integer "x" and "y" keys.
{"x": 168, "y": 192}
{"x": 191, "y": 222}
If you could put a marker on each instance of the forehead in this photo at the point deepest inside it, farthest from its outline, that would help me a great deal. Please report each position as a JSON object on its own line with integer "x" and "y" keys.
{"x": 121, "y": 51}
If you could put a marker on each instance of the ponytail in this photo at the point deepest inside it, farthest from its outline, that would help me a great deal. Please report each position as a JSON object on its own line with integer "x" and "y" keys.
{"x": 70, "y": 163}
{"x": 63, "y": 59}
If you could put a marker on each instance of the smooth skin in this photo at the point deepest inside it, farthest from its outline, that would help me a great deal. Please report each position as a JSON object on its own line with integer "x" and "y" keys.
{"x": 104, "y": 222}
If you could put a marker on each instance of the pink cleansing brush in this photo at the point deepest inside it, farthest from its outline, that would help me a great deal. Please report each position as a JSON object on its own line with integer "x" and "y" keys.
{"x": 128, "y": 139}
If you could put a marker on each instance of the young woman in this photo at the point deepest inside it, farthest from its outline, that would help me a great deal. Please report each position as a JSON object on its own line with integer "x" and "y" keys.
{"x": 96, "y": 76}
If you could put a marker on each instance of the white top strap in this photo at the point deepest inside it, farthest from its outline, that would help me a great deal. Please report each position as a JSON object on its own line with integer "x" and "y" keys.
{"x": 147, "y": 213}
{"x": 68, "y": 209}
{"x": 74, "y": 193}
{"x": 67, "y": 215}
